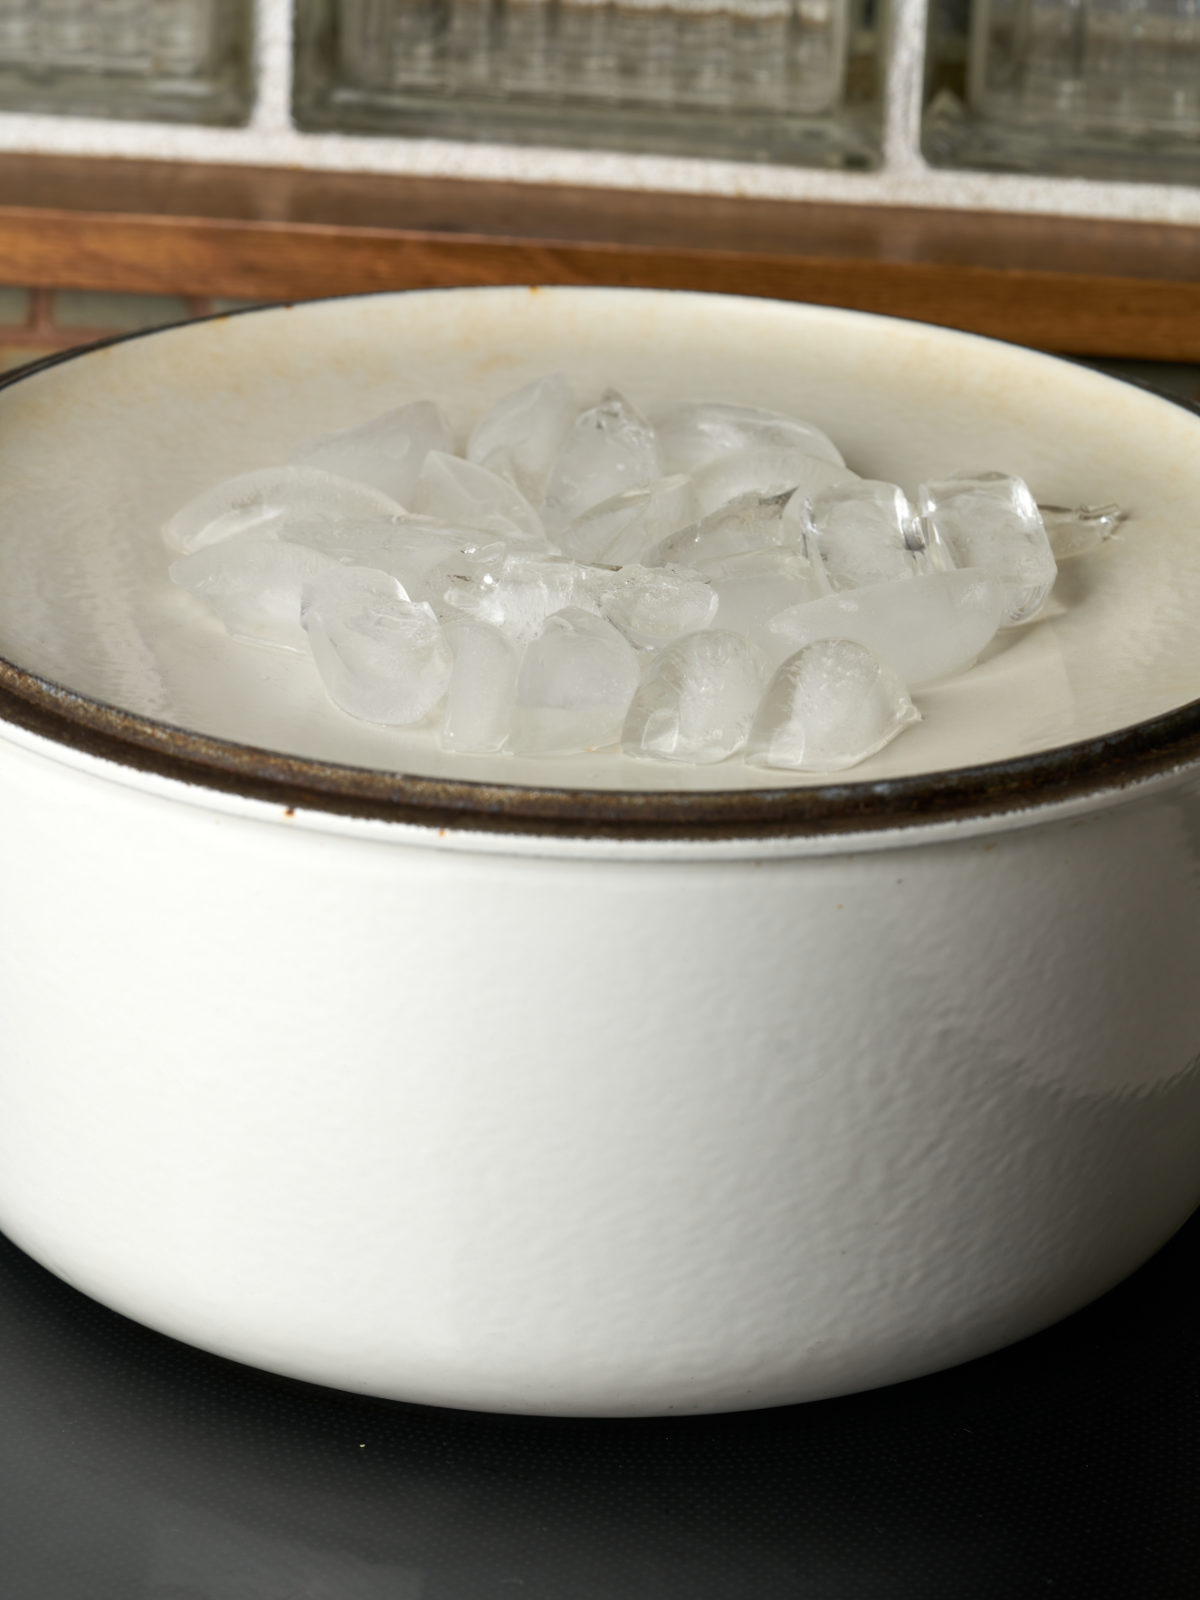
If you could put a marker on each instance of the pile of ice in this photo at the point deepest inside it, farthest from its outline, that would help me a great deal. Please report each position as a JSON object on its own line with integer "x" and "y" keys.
{"x": 711, "y": 582}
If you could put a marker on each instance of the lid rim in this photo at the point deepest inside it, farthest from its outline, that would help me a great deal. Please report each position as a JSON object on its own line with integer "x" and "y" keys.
{"x": 1102, "y": 766}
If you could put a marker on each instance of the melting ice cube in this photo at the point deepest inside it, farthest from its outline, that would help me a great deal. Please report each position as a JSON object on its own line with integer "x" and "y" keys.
{"x": 622, "y": 529}
{"x": 425, "y": 556}
{"x": 381, "y": 656}
{"x": 385, "y": 452}
{"x": 610, "y": 448}
{"x": 751, "y": 522}
{"x": 696, "y": 701}
{"x": 990, "y": 520}
{"x": 465, "y": 495}
{"x": 523, "y": 432}
{"x": 253, "y": 582}
{"x": 483, "y": 688}
{"x": 518, "y": 597}
{"x": 866, "y": 533}
{"x": 757, "y": 585}
{"x": 257, "y": 498}
{"x": 653, "y": 605}
{"x": 829, "y": 706}
{"x": 766, "y": 472}
{"x": 695, "y": 434}
{"x": 1078, "y": 530}
{"x": 574, "y": 687}
{"x": 928, "y": 627}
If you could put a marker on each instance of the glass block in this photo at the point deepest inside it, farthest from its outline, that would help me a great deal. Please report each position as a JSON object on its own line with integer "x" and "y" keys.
{"x": 1097, "y": 88}
{"x": 794, "y": 81}
{"x": 162, "y": 60}
{"x": 14, "y": 306}
{"x": 106, "y": 312}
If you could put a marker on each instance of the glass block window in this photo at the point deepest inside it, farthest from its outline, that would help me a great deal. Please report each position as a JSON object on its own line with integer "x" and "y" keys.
{"x": 165, "y": 60}
{"x": 1098, "y": 88}
{"x": 769, "y": 80}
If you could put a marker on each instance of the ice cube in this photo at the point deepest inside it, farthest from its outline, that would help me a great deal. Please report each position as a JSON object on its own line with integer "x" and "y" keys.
{"x": 351, "y": 540}
{"x": 265, "y": 496}
{"x": 1078, "y": 530}
{"x": 766, "y": 472}
{"x": 465, "y": 495}
{"x": 425, "y": 556}
{"x": 697, "y": 699}
{"x": 574, "y": 687}
{"x": 751, "y": 522}
{"x": 461, "y": 568}
{"x": 866, "y": 533}
{"x": 757, "y": 585}
{"x": 253, "y": 582}
{"x": 483, "y": 688}
{"x": 927, "y": 628}
{"x": 386, "y": 452}
{"x": 518, "y": 596}
{"x": 381, "y": 656}
{"x": 653, "y": 605}
{"x": 619, "y": 531}
{"x": 523, "y": 432}
{"x": 694, "y": 434}
{"x": 610, "y": 448}
{"x": 990, "y": 520}
{"x": 589, "y": 536}
{"x": 339, "y": 585}
{"x": 828, "y": 707}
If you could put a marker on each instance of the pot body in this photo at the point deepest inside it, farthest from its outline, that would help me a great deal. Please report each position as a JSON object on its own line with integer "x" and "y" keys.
{"x": 589, "y": 1128}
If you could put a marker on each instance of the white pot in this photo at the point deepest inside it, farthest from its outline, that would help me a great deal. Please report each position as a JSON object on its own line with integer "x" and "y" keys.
{"x": 553, "y": 1090}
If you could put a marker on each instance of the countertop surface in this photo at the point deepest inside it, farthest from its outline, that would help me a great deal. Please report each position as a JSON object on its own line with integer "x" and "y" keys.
{"x": 134, "y": 1468}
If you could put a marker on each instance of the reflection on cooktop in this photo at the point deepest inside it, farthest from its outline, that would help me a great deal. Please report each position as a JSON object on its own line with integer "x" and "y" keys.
{"x": 133, "y": 1468}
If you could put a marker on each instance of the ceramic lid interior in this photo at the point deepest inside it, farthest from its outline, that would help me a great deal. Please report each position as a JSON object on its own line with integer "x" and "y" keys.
{"x": 96, "y": 451}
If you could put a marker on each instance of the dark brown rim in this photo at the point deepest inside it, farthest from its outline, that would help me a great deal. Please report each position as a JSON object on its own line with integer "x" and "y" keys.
{"x": 1109, "y": 762}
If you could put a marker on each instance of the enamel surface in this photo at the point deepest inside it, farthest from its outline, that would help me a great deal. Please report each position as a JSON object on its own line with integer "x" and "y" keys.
{"x": 588, "y": 1136}
{"x": 94, "y": 454}
{"x": 587, "y": 1125}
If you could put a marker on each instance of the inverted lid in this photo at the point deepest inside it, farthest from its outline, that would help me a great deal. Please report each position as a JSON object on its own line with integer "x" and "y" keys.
{"x": 96, "y": 450}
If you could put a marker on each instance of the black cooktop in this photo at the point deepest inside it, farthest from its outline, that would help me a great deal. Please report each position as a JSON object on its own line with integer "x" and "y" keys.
{"x": 134, "y": 1468}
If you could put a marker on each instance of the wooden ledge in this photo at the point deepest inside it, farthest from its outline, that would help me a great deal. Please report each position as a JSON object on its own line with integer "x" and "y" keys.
{"x": 1080, "y": 287}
